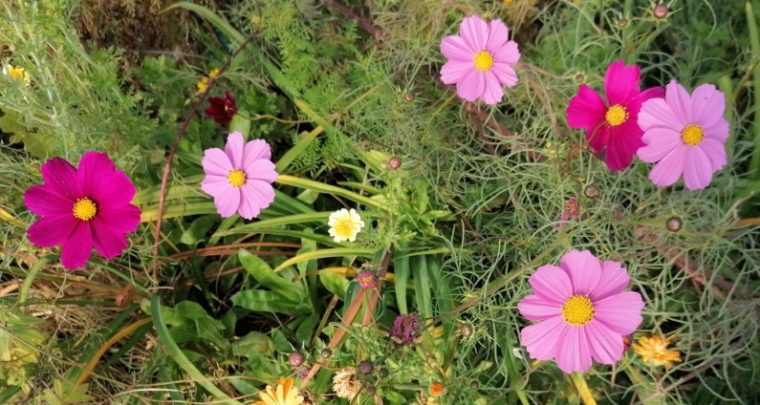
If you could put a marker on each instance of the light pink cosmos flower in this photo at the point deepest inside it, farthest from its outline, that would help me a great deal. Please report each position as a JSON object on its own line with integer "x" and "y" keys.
{"x": 684, "y": 135}
{"x": 239, "y": 177}
{"x": 481, "y": 60}
{"x": 82, "y": 208}
{"x": 611, "y": 125}
{"x": 582, "y": 312}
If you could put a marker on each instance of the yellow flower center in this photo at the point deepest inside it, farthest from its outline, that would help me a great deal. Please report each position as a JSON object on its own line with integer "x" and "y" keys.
{"x": 236, "y": 177}
{"x": 616, "y": 115}
{"x": 483, "y": 61}
{"x": 344, "y": 228}
{"x": 692, "y": 135}
{"x": 578, "y": 310}
{"x": 84, "y": 209}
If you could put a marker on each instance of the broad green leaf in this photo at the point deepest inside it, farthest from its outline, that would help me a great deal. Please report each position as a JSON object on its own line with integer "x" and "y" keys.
{"x": 422, "y": 286}
{"x": 254, "y": 343}
{"x": 335, "y": 283}
{"x": 401, "y": 274}
{"x": 261, "y": 271}
{"x": 269, "y": 301}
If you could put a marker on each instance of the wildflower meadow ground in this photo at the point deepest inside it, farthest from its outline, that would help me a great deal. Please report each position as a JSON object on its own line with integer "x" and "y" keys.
{"x": 424, "y": 202}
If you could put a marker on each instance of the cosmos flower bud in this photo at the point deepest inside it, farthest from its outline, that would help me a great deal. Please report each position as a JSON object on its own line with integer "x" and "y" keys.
{"x": 365, "y": 367}
{"x": 295, "y": 359}
{"x": 660, "y": 11}
{"x": 394, "y": 162}
{"x": 591, "y": 191}
{"x": 674, "y": 224}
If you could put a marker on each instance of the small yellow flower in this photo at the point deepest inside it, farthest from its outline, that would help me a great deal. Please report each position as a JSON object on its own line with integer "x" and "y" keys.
{"x": 202, "y": 84}
{"x": 16, "y": 73}
{"x": 436, "y": 389}
{"x": 345, "y": 383}
{"x": 345, "y": 225}
{"x": 654, "y": 350}
{"x": 282, "y": 394}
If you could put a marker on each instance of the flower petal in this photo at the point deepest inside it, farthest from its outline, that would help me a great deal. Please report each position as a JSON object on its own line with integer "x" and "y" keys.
{"x": 51, "y": 230}
{"x": 612, "y": 280}
{"x": 679, "y": 101}
{"x": 621, "y": 82}
{"x": 668, "y": 170}
{"x": 586, "y": 109}
{"x": 508, "y": 53}
{"x": 623, "y": 143}
{"x": 659, "y": 143}
{"x": 228, "y": 202}
{"x": 112, "y": 189}
{"x": 498, "y": 34}
{"x": 716, "y": 151}
{"x": 573, "y": 353}
{"x": 261, "y": 170}
{"x": 542, "y": 339}
{"x": 697, "y": 171}
{"x": 472, "y": 85}
{"x": 474, "y": 32}
{"x": 454, "y": 48}
{"x": 455, "y": 70}
{"x": 621, "y": 313}
{"x": 93, "y": 172}
{"x": 42, "y": 200}
{"x": 656, "y": 113}
{"x": 234, "y": 148}
{"x": 215, "y": 161}
{"x": 76, "y": 250}
{"x": 606, "y": 346}
{"x": 584, "y": 270}
{"x": 123, "y": 218}
{"x": 707, "y": 105}
{"x": 719, "y": 130}
{"x": 505, "y": 73}
{"x": 255, "y": 150}
{"x": 109, "y": 242}
{"x": 214, "y": 185}
{"x": 536, "y": 308}
{"x": 551, "y": 283}
{"x": 256, "y": 195}
{"x": 493, "y": 91}
{"x": 61, "y": 176}
{"x": 598, "y": 138}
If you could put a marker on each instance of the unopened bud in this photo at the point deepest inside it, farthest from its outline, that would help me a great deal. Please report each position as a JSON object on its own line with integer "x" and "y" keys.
{"x": 365, "y": 367}
{"x": 394, "y": 162}
{"x": 674, "y": 224}
{"x": 660, "y": 11}
{"x": 295, "y": 359}
{"x": 591, "y": 191}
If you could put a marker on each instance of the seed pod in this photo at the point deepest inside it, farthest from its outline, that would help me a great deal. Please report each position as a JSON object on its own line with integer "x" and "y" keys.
{"x": 383, "y": 372}
{"x": 591, "y": 191}
{"x": 674, "y": 224}
{"x": 365, "y": 367}
{"x": 295, "y": 359}
{"x": 661, "y": 11}
{"x": 326, "y": 353}
{"x": 622, "y": 23}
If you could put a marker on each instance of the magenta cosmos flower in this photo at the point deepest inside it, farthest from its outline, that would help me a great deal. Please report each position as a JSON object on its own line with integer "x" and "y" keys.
{"x": 684, "y": 135}
{"x": 239, "y": 177}
{"x": 481, "y": 60}
{"x": 82, "y": 208}
{"x": 582, "y": 312}
{"x": 612, "y": 125}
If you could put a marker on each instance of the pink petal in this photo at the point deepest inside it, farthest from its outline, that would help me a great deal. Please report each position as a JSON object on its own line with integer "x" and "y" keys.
{"x": 261, "y": 170}
{"x": 584, "y": 270}
{"x": 76, "y": 250}
{"x": 112, "y": 189}
{"x": 215, "y": 185}
{"x": 621, "y": 313}
{"x": 656, "y": 113}
{"x": 234, "y": 148}
{"x": 472, "y": 85}
{"x": 652, "y": 92}
{"x": 660, "y": 142}
{"x": 255, "y": 150}
{"x": 215, "y": 161}
{"x": 508, "y": 53}
{"x": 606, "y": 346}
{"x": 679, "y": 101}
{"x": 621, "y": 82}
{"x": 716, "y": 151}
{"x": 93, "y": 167}
{"x": 454, "y": 70}
{"x": 493, "y": 91}
{"x": 61, "y": 177}
{"x": 707, "y": 105}
{"x": 454, "y": 48}
{"x": 697, "y": 171}
{"x": 228, "y": 202}
{"x": 498, "y": 34}
{"x": 598, "y": 138}
{"x": 109, "y": 242}
{"x": 586, "y": 109}
{"x": 51, "y": 230}
{"x": 42, "y": 200}
{"x": 612, "y": 280}
{"x": 551, "y": 283}
{"x": 474, "y": 32}
{"x": 623, "y": 143}
{"x": 506, "y": 75}
{"x": 719, "y": 130}
{"x": 573, "y": 352}
{"x": 256, "y": 196}
{"x": 536, "y": 308}
{"x": 123, "y": 218}
{"x": 541, "y": 339}
{"x": 669, "y": 169}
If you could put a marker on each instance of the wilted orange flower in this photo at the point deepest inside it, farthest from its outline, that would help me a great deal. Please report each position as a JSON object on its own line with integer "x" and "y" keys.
{"x": 654, "y": 349}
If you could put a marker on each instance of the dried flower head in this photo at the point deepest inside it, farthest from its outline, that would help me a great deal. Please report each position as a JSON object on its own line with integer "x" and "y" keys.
{"x": 654, "y": 350}
{"x": 345, "y": 383}
{"x": 405, "y": 328}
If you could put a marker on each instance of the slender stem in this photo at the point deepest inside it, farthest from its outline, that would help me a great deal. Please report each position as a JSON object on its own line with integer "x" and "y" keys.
{"x": 24, "y": 291}
{"x": 580, "y": 384}
{"x": 122, "y": 333}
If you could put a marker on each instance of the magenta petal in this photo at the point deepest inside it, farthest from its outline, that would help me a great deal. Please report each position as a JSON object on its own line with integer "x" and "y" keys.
{"x": 51, "y": 230}
{"x": 697, "y": 170}
{"x": 715, "y": 151}
{"x": 454, "y": 48}
{"x": 474, "y": 31}
{"x": 493, "y": 91}
{"x": 707, "y": 105}
{"x": 255, "y": 150}
{"x": 215, "y": 161}
{"x": 621, "y": 82}
{"x": 598, "y": 138}
{"x": 506, "y": 75}
{"x": 622, "y": 146}
{"x": 612, "y": 280}
{"x": 472, "y": 85}
{"x": 606, "y": 346}
{"x": 261, "y": 169}
{"x": 551, "y": 283}
{"x": 95, "y": 169}
{"x": 498, "y": 34}
{"x": 41, "y": 200}
{"x": 454, "y": 70}
{"x": 234, "y": 148}
{"x": 586, "y": 109}
{"x": 61, "y": 176}
{"x": 507, "y": 54}
{"x": 679, "y": 101}
{"x": 584, "y": 270}
{"x": 122, "y": 218}
{"x": 542, "y": 339}
{"x": 668, "y": 170}
{"x": 536, "y": 308}
{"x": 652, "y": 92}
{"x": 112, "y": 189}
{"x": 573, "y": 352}
{"x": 109, "y": 242}
{"x": 76, "y": 250}
{"x": 621, "y": 313}
{"x": 228, "y": 202}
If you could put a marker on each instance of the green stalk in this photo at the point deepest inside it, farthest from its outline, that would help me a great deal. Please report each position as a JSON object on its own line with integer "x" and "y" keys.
{"x": 27, "y": 284}
{"x": 754, "y": 41}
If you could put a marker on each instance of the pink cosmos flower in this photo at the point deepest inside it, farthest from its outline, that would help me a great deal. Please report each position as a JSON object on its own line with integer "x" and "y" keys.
{"x": 684, "y": 135}
{"x": 582, "y": 312}
{"x": 481, "y": 60}
{"x": 82, "y": 208}
{"x": 611, "y": 125}
{"x": 239, "y": 177}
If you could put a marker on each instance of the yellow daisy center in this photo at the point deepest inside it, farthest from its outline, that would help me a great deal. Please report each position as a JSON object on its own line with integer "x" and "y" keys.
{"x": 483, "y": 61}
{"x": 84, "y": 209}
{"x": 236, "y": 177}
{"x": 578, "y": 310}
{"x": 692, "y": 135}
{"x": 344, "y": 228}
{"x": 616, "y": 115}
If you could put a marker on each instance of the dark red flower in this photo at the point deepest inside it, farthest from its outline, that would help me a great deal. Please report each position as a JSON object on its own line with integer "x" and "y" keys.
{"x": 221, "y": 109}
